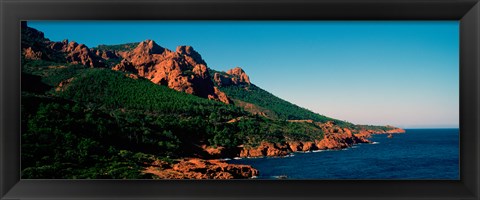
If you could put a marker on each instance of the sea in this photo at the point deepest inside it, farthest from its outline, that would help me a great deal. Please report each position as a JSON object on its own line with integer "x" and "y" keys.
{"x": 418, "y": 154}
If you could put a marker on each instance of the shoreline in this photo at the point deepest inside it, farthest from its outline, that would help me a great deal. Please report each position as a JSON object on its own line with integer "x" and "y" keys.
{"x": 211, "y": 162}
{"x": 219, "y": 168}
{"x": 337, "y": 140}
{"x": 372, "y": 161}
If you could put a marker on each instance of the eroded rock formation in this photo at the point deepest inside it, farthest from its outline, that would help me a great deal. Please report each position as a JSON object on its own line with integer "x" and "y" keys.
{"x": 38, "y": 47}
{"x": 194, "y": 168}
{"x": 334, "y": 137}
{"x": 266, "y": 149}
{"x": 233, "y": 76}
{"x": 29, "y": 53}
{"x": 183, "y": 70}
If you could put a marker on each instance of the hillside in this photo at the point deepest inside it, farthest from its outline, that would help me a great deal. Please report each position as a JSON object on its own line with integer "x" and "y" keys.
{"x": 139, "y": 110}
{"x": 279, "y": 109}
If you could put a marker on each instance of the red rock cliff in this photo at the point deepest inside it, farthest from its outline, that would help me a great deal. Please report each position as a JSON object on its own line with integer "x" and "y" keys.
{"x": 194, "y": 168}
{"x": 334, "y": 137}
{"x": 183, "y": 70}
{"x": 233, "y": 76}
{"x": 36, "y": 47}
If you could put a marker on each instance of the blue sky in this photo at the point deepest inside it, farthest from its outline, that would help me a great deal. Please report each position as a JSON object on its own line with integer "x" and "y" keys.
{"x": 402, "y": 73}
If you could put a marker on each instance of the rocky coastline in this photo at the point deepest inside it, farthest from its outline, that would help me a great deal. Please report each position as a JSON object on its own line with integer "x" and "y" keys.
{"x": 334, "y": 138}
{"x": 213, "y": 167}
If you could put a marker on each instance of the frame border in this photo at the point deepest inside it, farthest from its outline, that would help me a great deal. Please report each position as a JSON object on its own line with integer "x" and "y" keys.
{"x": 13, "y": 11}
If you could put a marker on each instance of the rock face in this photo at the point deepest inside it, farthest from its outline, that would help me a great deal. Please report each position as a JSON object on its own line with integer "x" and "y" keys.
{"x": 222, "y": 80}
{"x": 29, "y": 53}
{"x": 334, "y": 138}
{"x": 233, "y": 76}
{"x": 195, "y": 168}
{"x": 38, "y": 47}
{"x": 239, "y": 76}
{"x": 106, "y": 54}
{"x": 183, "y": 70}
{"x": 265, "y": 149}
{"x": 191, "y": 55}
{"x": 77, "y": 53}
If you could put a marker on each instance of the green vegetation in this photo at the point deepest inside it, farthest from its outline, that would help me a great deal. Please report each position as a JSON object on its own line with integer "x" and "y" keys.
{"x": 283, "y": 109}
{"x": 52, "y": 72}
{"x": 109, "y": 125}
{"x": 376, "y": 128}
{"x": 65, "y": 140}
{"x": 118, "y": 47}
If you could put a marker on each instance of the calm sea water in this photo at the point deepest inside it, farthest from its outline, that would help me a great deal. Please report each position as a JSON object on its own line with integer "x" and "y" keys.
{"x": 417, "y": 154}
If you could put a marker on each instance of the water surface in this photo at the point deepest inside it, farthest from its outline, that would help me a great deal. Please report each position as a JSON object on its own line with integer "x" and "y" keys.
{"x": 417, "y": 154}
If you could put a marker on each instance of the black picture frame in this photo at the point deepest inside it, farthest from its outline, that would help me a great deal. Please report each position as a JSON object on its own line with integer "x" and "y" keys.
{"x": 13, "y": 11}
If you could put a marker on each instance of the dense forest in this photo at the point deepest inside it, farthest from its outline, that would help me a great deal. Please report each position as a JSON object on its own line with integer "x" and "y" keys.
{"x": 104, "y": 118}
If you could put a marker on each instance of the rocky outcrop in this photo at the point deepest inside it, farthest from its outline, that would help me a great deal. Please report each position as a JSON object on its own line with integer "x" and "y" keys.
{"x": 34, "y": 44}
{"x": 238, "y": 76}
{"x": 335, "y": 141}
{"x": 330, "y": 141}
{"x": 190, "y": 55}
{"x": 308, "y": 146}
{"x": 216, "y": 152}
{"x": 219, "y": 95}
{"x": 106, "y": 54}
{"x": 125, "y": 65}
{"x": 362, "y": 136}
{"x": 334, "y": 137}
{"x": 80, "y": 54}
{"x": 265, "y": 149}
{"x": 62, "y": 86}
{"x": 183, "y": 70}
{"x": 29, "y": 53}
{"x": 194, "y": 168}
{"x": 296, "y": 146}
{"x": 222, "y": 79}
{"x": 35, "y": 47}
{"x": 390, "y": 131}
{"x": 76, "y": 53}
{"x": 233, "y": 76}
